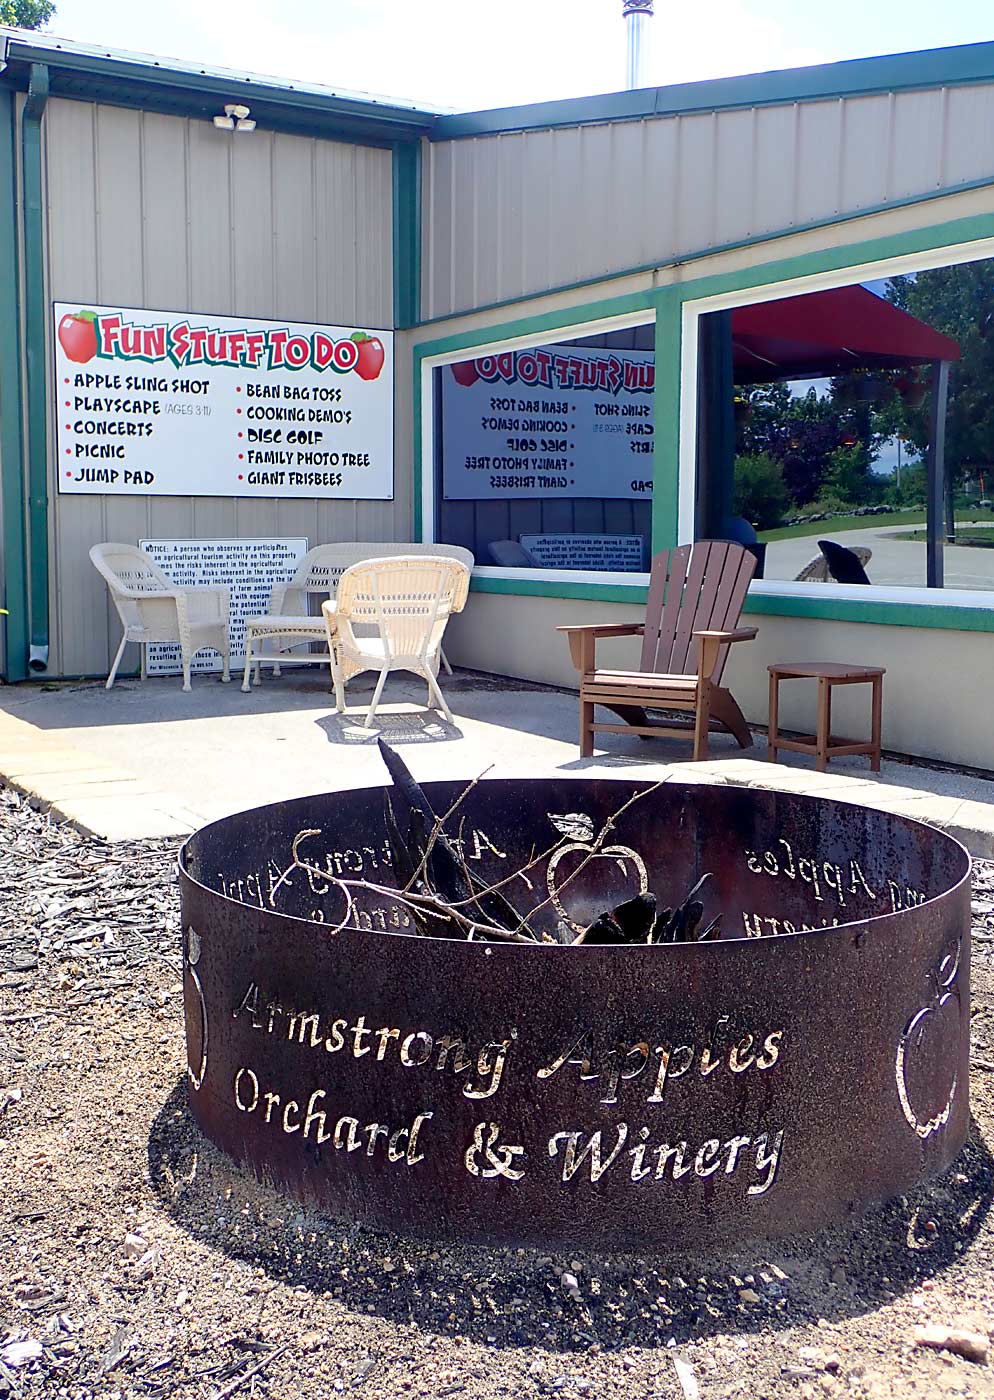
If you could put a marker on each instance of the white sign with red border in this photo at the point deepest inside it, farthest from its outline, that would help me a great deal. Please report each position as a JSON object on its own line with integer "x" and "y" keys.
{"x": 155, "y": 403}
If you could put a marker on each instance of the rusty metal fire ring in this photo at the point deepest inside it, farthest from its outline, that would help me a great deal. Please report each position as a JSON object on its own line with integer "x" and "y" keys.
{"x": 810, "y": 1063}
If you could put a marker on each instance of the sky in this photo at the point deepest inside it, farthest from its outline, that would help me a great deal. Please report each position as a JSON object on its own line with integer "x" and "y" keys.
{"x": 470, "y": 54}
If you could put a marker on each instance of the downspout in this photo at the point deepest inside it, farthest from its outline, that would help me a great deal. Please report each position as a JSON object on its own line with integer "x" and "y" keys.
{"x": 15, "y": 563}
{"x": 34, "y": 358}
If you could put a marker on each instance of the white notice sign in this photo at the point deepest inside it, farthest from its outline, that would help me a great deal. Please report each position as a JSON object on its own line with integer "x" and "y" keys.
{"x": 553, "y": 421}
{"x": 155, "y": 403}
{"x": 623, "y": 554}
{"x": 249, "y": 568}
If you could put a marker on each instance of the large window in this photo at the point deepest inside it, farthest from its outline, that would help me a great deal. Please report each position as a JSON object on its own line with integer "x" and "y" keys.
{"x": 847, "y": 435}
{"x": 543, "y": 455}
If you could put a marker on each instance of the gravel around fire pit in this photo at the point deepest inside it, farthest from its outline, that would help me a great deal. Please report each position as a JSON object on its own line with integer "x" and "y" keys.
{"x": 136, "y": 1261}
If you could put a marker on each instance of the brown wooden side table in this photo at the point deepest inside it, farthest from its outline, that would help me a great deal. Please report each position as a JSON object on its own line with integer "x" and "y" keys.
{"x": 823, "y": 745}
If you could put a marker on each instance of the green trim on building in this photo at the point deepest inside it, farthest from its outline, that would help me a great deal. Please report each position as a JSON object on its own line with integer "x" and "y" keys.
{"x": 633, "y": 593}
{"x": 932, "y": 238}
{"x": 406, "y": 234}
{"x": 859, "y": 77}
{"x": 538, "y": 322}
{"x": 912, "y": 614}
{"x": 417, "y": 448}
{"x": 15, "y": 564}
{"x": 36, "y": 395}
{"x": 947, "y": 616}
{"x": 666, "y": 410}
{"x": 80, "y": 71}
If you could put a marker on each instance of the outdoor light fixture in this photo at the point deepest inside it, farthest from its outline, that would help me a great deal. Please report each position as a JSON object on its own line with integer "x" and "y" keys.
{"x": 236, "y": 118}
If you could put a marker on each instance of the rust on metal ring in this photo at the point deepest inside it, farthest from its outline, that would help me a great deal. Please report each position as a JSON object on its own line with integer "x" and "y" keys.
{"x": 811, "y": 1062}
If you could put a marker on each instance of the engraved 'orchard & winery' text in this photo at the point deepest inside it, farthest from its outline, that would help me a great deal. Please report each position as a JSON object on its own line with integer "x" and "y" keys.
{"x": 623, "y": 1149}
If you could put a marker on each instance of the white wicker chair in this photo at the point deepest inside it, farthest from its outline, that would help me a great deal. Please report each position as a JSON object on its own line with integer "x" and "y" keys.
{"x": 289, "y": 624}
{"x": 403, "y": 604}
{"x": 152, "y": 609}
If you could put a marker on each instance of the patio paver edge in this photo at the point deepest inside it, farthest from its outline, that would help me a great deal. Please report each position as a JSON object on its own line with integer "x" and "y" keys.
{"x": 72, "y": 785}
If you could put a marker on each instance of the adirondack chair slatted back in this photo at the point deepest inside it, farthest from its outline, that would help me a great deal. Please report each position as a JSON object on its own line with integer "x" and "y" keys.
{"x": 693, "y": 588}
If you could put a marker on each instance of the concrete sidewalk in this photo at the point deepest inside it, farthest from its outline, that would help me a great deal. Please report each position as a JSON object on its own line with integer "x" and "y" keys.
{"x": 144, "y": 760}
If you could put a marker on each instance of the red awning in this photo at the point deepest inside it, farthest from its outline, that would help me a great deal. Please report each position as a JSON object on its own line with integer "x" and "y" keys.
{"x": 826, "y": 333}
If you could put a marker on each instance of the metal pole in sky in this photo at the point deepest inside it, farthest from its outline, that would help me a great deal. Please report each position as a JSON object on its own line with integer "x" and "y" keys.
{"x": 637, "y": 15}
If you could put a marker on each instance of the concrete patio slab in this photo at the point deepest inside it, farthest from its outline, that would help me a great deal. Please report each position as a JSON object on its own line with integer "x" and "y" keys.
{"x": 145, "y": 760}
{"x": 101, "y": 798}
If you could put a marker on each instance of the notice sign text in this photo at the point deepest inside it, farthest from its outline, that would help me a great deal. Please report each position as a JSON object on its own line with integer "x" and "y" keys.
{"x": 156, "y": 403}
{"x": 249, "y": 569}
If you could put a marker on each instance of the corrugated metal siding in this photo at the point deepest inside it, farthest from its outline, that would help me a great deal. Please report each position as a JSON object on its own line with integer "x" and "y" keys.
{"x": 151, "y": 210}
{"x": 520, "y": 213}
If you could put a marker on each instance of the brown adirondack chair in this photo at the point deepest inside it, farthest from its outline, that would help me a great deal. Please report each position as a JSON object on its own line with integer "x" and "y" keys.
{"x": 695, "y": 598}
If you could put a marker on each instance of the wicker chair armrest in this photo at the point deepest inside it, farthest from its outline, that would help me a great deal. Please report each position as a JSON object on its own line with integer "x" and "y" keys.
{"x": 140, "y": 594}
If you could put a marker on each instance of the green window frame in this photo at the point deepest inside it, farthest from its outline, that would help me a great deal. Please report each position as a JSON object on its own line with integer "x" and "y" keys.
{"x": 591, "y": 319}
{"x": 675, "y": 308}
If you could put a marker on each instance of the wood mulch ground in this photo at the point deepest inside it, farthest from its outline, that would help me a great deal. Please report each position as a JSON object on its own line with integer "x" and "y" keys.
{"x": 134, "y": 1261}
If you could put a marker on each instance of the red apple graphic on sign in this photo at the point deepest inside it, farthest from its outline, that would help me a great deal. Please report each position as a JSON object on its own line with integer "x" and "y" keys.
{"x": 371, "y": 355}
{"x": 78, "y": 336}
{"x": 465, "y": 373}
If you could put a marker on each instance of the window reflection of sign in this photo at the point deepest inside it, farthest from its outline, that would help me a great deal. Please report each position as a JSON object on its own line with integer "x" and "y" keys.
{"x": 249, "y": 568}
{"x": 614, "y": 553}
{"x": 557, "y": 422}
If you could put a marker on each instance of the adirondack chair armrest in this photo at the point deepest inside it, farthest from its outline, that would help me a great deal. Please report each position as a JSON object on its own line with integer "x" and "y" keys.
{"x": 583, "y": 639}
{"x": 737, "y": 634}
{"x": 711, "y": 642}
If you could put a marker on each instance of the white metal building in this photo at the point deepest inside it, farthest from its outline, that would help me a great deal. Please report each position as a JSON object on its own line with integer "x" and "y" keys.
{"x": 614, "y": 221}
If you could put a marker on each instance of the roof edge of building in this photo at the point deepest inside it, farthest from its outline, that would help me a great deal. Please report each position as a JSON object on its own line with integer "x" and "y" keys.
{"x": 97, "y": 73}
{"x": 853, "y": 77}
{"x": 88, "y": 72}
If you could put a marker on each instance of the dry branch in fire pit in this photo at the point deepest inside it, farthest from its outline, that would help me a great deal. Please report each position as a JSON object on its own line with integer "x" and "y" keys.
{"x": 441, "y": 893}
